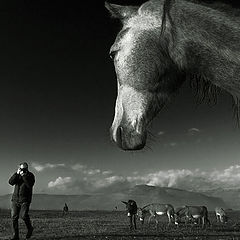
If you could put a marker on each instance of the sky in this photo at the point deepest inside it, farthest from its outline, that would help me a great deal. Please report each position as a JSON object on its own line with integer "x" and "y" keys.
{"x": 57, "y": 97}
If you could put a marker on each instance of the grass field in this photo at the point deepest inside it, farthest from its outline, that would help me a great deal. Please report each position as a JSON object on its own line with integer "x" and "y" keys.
{"x": 114, "y": 225}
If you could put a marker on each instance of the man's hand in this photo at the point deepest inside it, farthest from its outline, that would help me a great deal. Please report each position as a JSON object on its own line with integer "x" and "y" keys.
{"x": 18, "y": 171}
{"x": 22, "y": 173}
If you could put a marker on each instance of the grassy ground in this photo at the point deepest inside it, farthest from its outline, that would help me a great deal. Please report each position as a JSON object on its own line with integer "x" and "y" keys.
{"x": 114, "y": 225}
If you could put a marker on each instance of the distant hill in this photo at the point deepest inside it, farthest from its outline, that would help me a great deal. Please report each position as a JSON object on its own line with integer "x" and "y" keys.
{"x": 107, "y": 200}
{"x": 230, "y": 196}
{"x": 144, "y": 194}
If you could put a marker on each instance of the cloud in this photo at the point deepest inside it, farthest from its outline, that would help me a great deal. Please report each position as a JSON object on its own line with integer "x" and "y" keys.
{"x": 107, "y": 172}
{"x": 92, "y": 171}
{"x": 85, "y": 170}
{"x": 161, "y": 133}
{"x": 78, "y": 167}
{"x": 171, "y": 144}
{"x": 70, "y": 185}
{"x": 85, "y": 185}
{"x": 193, "y": 131}
{"x": 60, "y": 183}
{"x": 191, "y": 179}
{"x": 229, "y": 177}
{"x": 41, "y": 167}
{"x": 96, "y": 180}
{"x": 105, "y": 182}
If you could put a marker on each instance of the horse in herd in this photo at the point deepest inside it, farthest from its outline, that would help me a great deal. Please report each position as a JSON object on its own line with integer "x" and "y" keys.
{"x": 156, "y": 209}
{"x": 162, "y": 44}
{"x": 192, "y": 213}
{"x": 221, "y": 215}
{"x": 187, "y": 214}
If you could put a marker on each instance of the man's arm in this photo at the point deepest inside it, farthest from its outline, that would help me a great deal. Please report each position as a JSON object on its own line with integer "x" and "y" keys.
{"x": 29, "y": 180}
{"x": 14, "y": 179}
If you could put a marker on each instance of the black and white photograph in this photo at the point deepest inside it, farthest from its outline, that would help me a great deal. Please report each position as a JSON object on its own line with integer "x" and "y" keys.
{"x": 120, "y": 119}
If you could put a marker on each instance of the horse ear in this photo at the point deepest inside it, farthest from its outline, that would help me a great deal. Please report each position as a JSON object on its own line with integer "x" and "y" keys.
{"x": 121, "y": 12}
{"x": 124, "y": 202}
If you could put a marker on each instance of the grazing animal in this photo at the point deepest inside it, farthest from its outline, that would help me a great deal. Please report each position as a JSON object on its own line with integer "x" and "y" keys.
{"x": 221, "y": 215}
{"x": 65, "y": 209}
{"x": 156, "y": 209}
{"x": 192, "y": 213}
{"x": 161, "y": 44}
{"x": 131, "y": 207}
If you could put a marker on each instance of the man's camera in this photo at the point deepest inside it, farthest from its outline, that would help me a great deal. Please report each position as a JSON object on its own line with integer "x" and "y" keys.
{"x": 24, "y": 170}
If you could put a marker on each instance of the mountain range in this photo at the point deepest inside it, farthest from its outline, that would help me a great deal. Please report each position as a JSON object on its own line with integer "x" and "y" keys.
{"x": 231, "y": 196}
{"x": 110, "y": 200}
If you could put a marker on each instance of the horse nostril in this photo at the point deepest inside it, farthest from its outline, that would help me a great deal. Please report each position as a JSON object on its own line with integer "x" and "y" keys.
{"x": 119, "y": 135}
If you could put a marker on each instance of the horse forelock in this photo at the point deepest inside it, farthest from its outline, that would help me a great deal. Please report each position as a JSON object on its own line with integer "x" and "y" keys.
{"x": 143, "y": 22}
{"x": 149, "y": 15}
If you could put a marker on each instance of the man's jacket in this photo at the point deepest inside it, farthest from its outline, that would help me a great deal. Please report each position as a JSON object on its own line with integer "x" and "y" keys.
{"x": 23, "y": 187}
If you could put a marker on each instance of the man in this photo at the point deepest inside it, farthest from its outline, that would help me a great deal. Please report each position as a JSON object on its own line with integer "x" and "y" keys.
{"x": 23, "y": 182}
{"x": 65, "y": 209}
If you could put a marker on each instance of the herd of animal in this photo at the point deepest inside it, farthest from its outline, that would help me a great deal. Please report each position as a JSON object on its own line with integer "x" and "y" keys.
{"x": 190, "y": 214}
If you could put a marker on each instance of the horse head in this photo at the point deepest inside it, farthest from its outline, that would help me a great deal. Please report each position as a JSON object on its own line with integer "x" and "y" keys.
{"x": 179, "y": 213}
{"x": 146, "y": 75}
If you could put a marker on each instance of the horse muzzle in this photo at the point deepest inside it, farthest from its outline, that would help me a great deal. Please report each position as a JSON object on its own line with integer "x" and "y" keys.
{"x": 128, "y": 139}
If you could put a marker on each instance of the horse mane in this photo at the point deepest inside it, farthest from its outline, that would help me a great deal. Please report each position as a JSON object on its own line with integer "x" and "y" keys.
{"x": 146, "y": 206}
{"x": 220, "y": 5}
{"x": 167, "y": 5}
{"x": 143, "y": 208}
{"x": 204, "y": 90}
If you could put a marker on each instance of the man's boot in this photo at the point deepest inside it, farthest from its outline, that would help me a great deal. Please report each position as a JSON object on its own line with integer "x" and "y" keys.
{"x": 29, "y": 228}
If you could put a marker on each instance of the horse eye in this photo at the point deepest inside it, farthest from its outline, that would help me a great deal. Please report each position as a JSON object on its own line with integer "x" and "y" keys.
{"x": 112, "y": 54}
